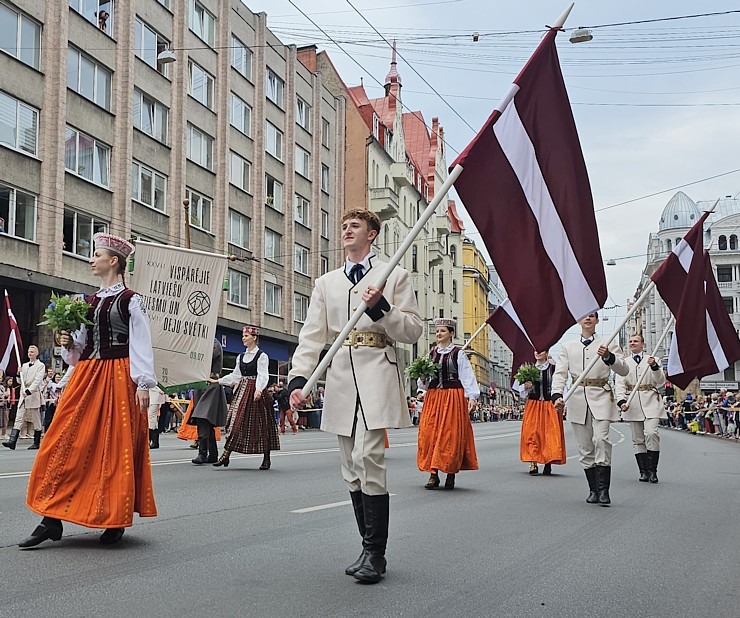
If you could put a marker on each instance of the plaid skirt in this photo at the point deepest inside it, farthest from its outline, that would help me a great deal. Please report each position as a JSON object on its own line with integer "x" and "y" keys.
{"x": 253, "y": 425}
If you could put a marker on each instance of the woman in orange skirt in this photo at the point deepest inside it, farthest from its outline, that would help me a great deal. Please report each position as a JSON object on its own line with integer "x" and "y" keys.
{"x": 446, "y": 440}
{"x": 93, "y": 465}
{"x": 542, "y": 440}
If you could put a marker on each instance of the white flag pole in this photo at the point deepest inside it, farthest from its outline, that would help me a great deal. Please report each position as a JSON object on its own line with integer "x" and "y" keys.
{"x": 647, "y": 368}
{"x": 481, "y": 328}
{"x": 597, "y": 358}
{"x": 398, "y": 255}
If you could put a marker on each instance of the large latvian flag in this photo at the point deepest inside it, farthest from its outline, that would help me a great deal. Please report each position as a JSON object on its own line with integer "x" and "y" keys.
{"x": 524, "y": 184}
{"x": 10, "y": 340}
{"x": 507, "y": 325}
{"x": 704, "y": 341}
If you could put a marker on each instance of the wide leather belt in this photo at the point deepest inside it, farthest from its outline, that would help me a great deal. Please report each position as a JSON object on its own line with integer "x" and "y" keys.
{"x": 592, "y": 381}
{"x": 367, "y": 338}
{"x": 643, "y": 387}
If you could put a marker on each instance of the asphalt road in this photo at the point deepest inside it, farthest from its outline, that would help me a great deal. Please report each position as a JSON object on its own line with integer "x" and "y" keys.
{"x": 241, "y": 542}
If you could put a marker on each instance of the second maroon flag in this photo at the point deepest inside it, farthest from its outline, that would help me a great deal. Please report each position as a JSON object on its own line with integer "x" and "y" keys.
{"x": 524, "y": 184}
{"x": 10, "y": 340}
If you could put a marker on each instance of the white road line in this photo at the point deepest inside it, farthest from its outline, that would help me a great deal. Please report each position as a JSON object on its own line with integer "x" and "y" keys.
{"x": 321, "y": 507}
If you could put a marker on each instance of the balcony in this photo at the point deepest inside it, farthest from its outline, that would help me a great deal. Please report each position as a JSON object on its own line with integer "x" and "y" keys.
{"x": 436, "y": 252}
{"x": 442, "y": 224}
{"x": 384, "y": 203}
{"x": 725, "y": 285}
{"x": 402, "y": 174}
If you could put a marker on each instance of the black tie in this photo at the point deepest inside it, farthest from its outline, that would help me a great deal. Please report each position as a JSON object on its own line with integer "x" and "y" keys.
{"x": 586, "y": 342}
{"x": 356, "y": 273}
{"x": 638, "y": 358}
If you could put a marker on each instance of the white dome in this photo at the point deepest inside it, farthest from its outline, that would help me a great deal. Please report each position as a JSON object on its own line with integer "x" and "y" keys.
{"x": 679, "y": 212}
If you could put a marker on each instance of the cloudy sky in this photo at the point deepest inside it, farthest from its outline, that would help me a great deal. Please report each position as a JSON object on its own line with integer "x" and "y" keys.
{"x": 656, "y": 104}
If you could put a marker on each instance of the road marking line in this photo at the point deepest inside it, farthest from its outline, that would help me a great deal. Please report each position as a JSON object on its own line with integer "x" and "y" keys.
{"x": 321, "y": 507}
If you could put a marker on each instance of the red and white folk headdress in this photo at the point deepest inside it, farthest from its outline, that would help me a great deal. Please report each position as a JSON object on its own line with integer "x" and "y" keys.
{"x": 116, "y": 244}
{"x": 446, "y": 322}
{"x": 251, "y": 330}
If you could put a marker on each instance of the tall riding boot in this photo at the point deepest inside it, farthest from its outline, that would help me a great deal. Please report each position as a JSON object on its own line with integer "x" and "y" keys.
{"x": 36, "y": 440}
{"x": 14, "y": 433}
{"x": 212, "y": 446}
{"x": 653, "y": 465}
{"x": 373, "y": 565}
{"x": 202, "y": 452}
{"x": 360, "y": 518}
{"x": 604, "y": 476}
{"x": 593, "y": 486}
{"x": 642, "y": 463}
{"x": 153, "y": 438}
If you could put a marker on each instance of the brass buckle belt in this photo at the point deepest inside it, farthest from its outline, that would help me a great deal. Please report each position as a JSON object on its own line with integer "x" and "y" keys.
{"x": 643, "y": 387}
{"x": 592, "y": 381}
{"x": 367, "y": 338}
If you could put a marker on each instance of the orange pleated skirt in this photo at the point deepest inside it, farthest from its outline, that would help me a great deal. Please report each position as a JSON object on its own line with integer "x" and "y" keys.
{"x": 190, "y": 432}
{"x": 542, "y": 439}
{"x": 93, "y": 466}
{"x": 446, "y": 440}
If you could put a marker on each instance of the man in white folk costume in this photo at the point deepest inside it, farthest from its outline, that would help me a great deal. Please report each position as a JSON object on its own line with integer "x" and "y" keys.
{"x": 29, "y": 402}
{"x": 591, "y": 408}
{"x": 364, "y": 387}
{"x": 646, "y": 409}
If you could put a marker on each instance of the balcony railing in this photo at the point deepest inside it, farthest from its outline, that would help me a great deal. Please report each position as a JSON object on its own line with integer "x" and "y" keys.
{"x": 384, "y": 203}
{"x": 436, "y": 252}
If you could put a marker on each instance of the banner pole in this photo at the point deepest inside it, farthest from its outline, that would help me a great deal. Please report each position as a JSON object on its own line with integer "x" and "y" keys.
{"x": 475, "y": 334}
{"x": 655, "y": 351}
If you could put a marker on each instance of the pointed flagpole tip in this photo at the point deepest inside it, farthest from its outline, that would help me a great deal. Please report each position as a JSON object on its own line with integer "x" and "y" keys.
{"x": 713, "y": 206}
{"x": 560, "y": 21}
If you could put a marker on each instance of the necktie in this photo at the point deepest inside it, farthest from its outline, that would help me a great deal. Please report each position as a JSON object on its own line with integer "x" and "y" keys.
{"x": 356, "y": 273}
{"x": 586, "y": 342}
{"x": 637, "y": 358}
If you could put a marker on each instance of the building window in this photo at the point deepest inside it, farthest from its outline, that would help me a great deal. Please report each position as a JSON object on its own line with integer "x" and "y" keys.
{"x": 722, "y": 243}
{"x": 325, "y": 178}
{"x": 303, "y": 162}
{"x": 324, "y": 224}
{"x": 17, "y": 213}
{"x": 201, "y": 85}
{"x": 324, "y": 264}
{"x": 273, "y": 193}
{"x": 274, "y": 88}
{"x": 18, "y": 124}
{"x": 303, "y": 113}
{"x": 729, "y": 304}
{"x": 376, "y": 126}
{"x": 86, "y": 157}
{"x": 733, "y": 242}
{"x": 325, "y": 133}
{"x": 273, "y": 246}
{"x": 414, "y": 258}
{"x": 454, "y": 291}
{"x": 301, "y": 260}
{"x": 20, "y": 36}
{"x": 441, "y": 280}
{"x": 202, "y": 23}
{"x": 453, "y": 254}
{"x": 302, "y": 211}
{"x": 300, "y": 307}
{"x": 150, "y": 116}
{"x": 148, "y": 186}
{"x": 200, "y": 147}
{"x": 149, "y": 44}
{"x": 78, "y": 232}
{"x": 241, "y": 58}
{"x": 668, "y": 245}
{"x": 724, "y": 274}
{"x": 87, "y": 78}
{"x": 238, "y": 229}
{"x": 241, "y": 172}
{"x": 98, "y": 12}
{"x": 241, "y": 115}
{"x": 388, "y": 138}
{"x": 273, "y": 299}
{"x": 238, "y": 288}
{"x": 200, "y": 210}
{"x": 273, "y": 141}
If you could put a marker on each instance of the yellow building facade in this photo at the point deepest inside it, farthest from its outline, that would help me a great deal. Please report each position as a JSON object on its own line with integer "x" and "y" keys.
{"x": 475, "y": 312}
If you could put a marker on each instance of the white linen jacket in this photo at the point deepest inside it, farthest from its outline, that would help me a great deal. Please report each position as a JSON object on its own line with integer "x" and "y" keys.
{"x": 361, "y": 377}
{"x": 31, "y": 378}
{"x": 646, "y": 403}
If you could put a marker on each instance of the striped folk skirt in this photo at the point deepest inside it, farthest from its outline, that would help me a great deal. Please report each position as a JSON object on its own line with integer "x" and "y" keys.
{"x": 93, "y": 466}
{"x": 253, "y": 425}
{"x": 542, "y": 440}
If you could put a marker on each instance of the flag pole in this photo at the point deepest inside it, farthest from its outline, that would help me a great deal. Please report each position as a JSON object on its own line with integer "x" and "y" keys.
{"x": 655, "y": 351}
{"x": 395, "y": 260}
{"x": 475, "y": 334}
{"x": 650, "y": 287}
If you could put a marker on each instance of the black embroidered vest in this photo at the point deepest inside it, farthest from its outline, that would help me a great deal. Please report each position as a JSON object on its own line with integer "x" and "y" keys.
{"x": 448, "y": 374}
{"x": 107, "y": 336}
{"x": 249, "y": 370}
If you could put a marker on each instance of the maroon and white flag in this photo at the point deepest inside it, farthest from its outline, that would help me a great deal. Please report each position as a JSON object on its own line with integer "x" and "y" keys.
{"x": 704, "y": 341}
{"x": 507, "y": 325}
{"x": 524, "y": 184}
{"x": 10, "y": 340}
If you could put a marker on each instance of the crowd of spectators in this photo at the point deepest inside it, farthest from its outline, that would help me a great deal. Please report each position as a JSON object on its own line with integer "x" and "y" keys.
{"x": 717, "y": 414}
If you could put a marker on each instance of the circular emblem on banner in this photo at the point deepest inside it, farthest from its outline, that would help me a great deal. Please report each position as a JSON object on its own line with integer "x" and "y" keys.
{"x": 199, "y": 303}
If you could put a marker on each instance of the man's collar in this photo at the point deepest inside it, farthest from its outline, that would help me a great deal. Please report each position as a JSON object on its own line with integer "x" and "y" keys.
{"x": 348, "y": 264}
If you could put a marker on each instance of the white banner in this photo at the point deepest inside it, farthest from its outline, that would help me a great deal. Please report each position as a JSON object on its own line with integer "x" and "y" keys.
{"x": 181, "y": 290}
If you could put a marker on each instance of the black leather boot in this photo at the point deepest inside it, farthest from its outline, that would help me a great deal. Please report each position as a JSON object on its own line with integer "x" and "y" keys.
{"x": 153, "y": 438}
{"x": 202, "y": 452}
{"x": 212, "y": 447}
{"x": 593, "y": 486}
{"x": 49, "y": 528}
{"x": 604, "y": 476}
{"x": 14, "y": 433}
{"x": 36, "y": 440}
{"x": 373, "y": 564}
{"x": 642, "y": 464}
{"x": 360, "y": 518}
{"x": 652, "y": 458}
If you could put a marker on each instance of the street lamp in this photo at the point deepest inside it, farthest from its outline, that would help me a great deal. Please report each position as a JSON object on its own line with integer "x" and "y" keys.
{"x": 611, "y": 262}
{"x": 581, "y": 35}
{"x": 166, "y": 56}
